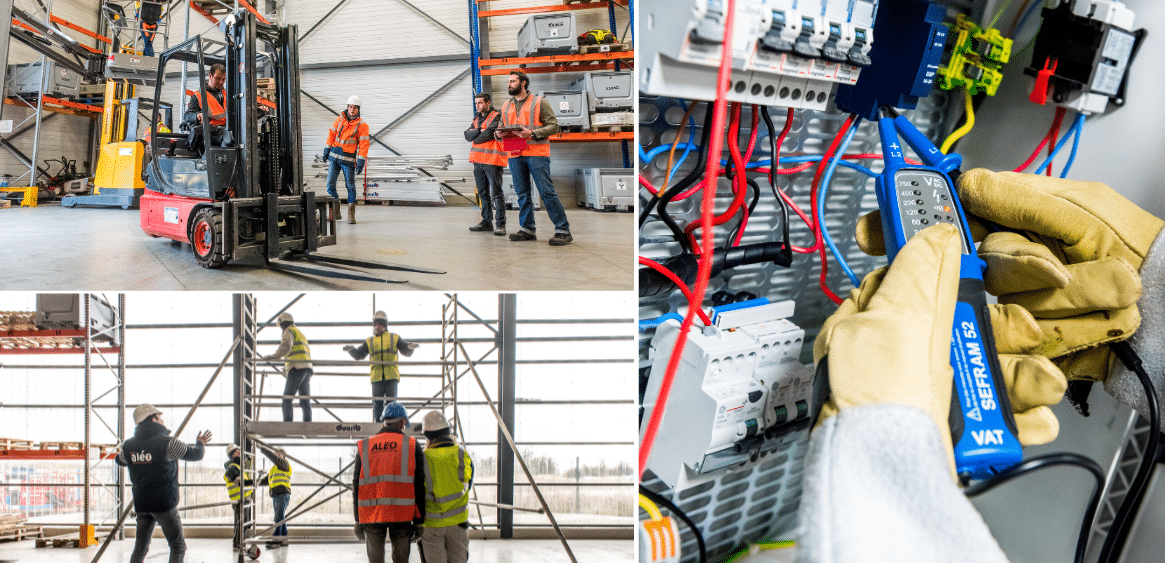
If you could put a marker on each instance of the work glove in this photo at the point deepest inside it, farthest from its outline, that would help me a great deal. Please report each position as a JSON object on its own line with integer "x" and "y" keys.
{"x": 1079, "y": 270}
{"x": 358, "y": 529}
{"x": 890, "y": 343}
{"x": 359, "y": 165}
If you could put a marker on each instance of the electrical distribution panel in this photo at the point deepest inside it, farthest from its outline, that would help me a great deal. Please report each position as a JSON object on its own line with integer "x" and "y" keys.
{"x": 785, "y": 53}
{"x": 740, "y": 389}
{"x": 607, "y": 188}
{"x": 570, "y": 107}
{"x": 547, "y": 34}
{"x": 1082, "y": 54}
{"x": 607, "y": 91}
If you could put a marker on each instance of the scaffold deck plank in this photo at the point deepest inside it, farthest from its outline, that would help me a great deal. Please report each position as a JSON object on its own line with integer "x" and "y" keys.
{"x": 350, "y": 430}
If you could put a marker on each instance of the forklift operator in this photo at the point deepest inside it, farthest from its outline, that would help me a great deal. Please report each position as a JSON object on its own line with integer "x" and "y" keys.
{"x": 214, "y": 98}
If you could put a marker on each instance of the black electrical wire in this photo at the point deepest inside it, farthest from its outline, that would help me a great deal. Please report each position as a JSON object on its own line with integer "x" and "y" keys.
{"x": 751, "y": 207}
{"x": 660, "y": 500}
{"x": 1114, "y": 542}
{"x": 684, "y": 184}
{"x": 773, "y": 159}
{"x": 1051, "y": 460}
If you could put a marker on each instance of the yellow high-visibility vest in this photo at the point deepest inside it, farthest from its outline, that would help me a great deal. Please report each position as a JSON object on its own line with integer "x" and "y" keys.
{"x": 448, "y": 471}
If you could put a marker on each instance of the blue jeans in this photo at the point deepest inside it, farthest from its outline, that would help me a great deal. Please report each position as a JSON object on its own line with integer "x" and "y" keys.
{"x": 383, "y": 388}
{"x": 334, "y": 169}
{"x": 298, "y": 381}
{"x": 281, "y": 502}
{"x": 521, "y": 169}
{"x": 171, "y": 527}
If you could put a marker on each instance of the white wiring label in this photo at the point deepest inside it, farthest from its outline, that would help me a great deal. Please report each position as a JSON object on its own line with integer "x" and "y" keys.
{"x": 1118, "y": 47}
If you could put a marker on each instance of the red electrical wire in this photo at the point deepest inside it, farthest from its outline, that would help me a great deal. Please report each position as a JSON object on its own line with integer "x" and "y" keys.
{"x": 687, "y": 291}
{"x": 1053, "y": 133}
{"x": 646, "y": 184}
{"x": 813, "y": 201}
{"x": 723, "y": 77}
{"x": 1060, "y": 111}
{"x": 738, "y": 182}
{"x": 744, "y": 179}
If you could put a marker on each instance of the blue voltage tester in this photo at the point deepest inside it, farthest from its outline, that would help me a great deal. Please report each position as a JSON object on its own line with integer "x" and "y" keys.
{"x": 912, "y": 198}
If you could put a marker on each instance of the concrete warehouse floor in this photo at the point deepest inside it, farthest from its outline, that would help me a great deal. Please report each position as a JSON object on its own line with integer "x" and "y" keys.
{"x": 51, "y": 248}
{"x": 219, "y": 550}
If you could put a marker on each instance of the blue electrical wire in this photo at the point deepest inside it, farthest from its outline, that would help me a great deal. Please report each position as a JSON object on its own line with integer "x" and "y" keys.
{"x": 1026, "y": 15}
{"x": 1048, "y": 161}
{"x": 648, "y": 156}
{"x": 1078, "y": 127}
{"x": 821, "y": 191}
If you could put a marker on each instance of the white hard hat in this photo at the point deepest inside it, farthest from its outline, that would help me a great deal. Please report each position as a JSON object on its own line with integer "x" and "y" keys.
{"x": 434, "y": 420}
{"x": 285, "y": 318}
{"x": 143, "y": 412}
{"x": 380, "y": 316}
{"x": 354, "y": 101}
{"x": 231, "y": 449}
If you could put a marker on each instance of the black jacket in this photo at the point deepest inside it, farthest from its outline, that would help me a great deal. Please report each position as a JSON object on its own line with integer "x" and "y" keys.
{"x": 152, "y": 457}
{"x": 477, "y": 135}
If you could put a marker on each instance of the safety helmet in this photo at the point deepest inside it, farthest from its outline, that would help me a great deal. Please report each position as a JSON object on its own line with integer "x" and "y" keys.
{"x": 354, "y": 101}
{"x": 143, "y": 412}
{"x": 285, "y": 317}
{"x": 380, "y": 318}
{"x": 394, "y": 410}
{"x": 434, "y": 421}
{"x": 231, "y": 449}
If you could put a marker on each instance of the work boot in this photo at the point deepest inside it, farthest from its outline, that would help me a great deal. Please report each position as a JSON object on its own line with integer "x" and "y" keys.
{"x": 523, "y": 235}
{"x": 500, "y": 231}
{"x": 482, "y": 226}
{"x": 351, "y": 213}
{"x": 336, "y": 211}
{"x": 561, "y": 239}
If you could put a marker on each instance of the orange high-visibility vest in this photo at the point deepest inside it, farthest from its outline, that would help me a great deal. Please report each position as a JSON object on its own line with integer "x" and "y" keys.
{"x": 350, "y": 136}
{"x": 213, "y": 105}
{"x": 530, "y": 117}
{"x": 388, "y": 469}
{"x": 489, "y": 152}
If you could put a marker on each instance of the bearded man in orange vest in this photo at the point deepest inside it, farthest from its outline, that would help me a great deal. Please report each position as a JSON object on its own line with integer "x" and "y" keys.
{"x": 535, "y": 122}
{"x": 488, "y": 158}
{"x": 216, "y": 110}
{"x": 389, "y": 488}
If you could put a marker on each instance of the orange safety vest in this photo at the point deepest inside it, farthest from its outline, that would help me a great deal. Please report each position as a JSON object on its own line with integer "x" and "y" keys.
{"x": 489, "y": 152}
{"x": 531, "y": 118}
{"x": 388, "y": 469}
{"x": 350, "y": 136}
{"x": 215, "y": 107}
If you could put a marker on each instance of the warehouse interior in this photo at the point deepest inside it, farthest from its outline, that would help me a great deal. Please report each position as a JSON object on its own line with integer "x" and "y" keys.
{"x": 82, "y": 88}
{"x": 537, "y": 388}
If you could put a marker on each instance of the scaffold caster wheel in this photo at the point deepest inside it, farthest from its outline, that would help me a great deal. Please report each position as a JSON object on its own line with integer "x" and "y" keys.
{"x": 253, "y": 552}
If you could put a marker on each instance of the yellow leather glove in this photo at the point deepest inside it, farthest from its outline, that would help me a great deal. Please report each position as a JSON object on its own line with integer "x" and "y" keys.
{"x": 890, "y": 343}
{"x": 1080, "y": 277}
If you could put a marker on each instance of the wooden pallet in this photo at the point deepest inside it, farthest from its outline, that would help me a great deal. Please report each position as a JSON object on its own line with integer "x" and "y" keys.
{"x": 14, "y": 444}
{"x": 61, "y": 445}
{"x": 612, "y": 48}
{"x": 22, "y": 533}
{"x": 68, "y": 540}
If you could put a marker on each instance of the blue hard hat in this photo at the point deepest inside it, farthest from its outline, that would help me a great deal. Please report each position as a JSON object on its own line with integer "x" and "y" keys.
{"x": 394, "y": 410}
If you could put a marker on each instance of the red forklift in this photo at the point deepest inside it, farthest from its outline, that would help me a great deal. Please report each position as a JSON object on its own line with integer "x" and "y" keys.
{"x": 238, "y": 190}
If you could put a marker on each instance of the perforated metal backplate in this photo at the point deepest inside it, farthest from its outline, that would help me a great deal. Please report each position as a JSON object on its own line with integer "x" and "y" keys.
{"x": 759, "y": 501}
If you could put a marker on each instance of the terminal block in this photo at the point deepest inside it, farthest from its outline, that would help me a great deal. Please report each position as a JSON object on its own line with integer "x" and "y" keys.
{"x": 740, "y": 389}
{"x": 904, "y": 62}
{"x": 785, "y": 53}
{"x": 1082, "y": 55}
{"x": 976, "y": 58}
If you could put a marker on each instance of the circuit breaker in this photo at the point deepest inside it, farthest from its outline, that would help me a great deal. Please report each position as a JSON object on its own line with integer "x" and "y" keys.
{"x": 738, "y": 389}
{"x": 1082, "y": 55}
{"x": 785, "y": 53}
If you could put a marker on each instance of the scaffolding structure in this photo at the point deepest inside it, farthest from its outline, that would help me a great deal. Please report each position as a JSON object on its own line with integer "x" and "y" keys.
{"x": 19, "y": 335}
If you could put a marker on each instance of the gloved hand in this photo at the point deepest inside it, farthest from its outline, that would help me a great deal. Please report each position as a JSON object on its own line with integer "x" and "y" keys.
{"x": 418, "y": 531}
{"x": 349, "y": 348}
{"x": 1082, "y": 278}
{"x": 890, "y": 343}
{"x": 327, "y": 153}
{"x": 358, "y": 529}
{"x": 359, "y": 165}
